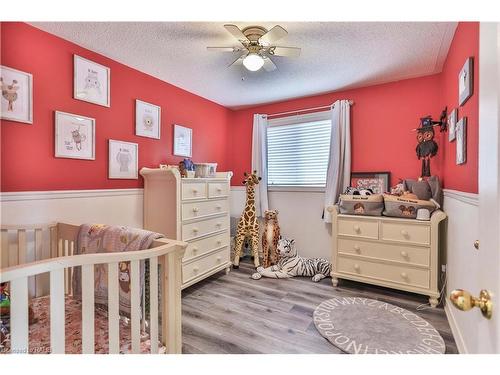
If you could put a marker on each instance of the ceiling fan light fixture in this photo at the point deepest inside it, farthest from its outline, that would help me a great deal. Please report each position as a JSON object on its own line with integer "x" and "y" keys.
{"x": 253, "y": 62}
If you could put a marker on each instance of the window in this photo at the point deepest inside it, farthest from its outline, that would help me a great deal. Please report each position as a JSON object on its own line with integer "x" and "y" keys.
{"x": 298, "y": 149}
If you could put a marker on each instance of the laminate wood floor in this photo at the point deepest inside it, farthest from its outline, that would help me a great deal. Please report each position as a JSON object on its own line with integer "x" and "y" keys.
{"x": 236, "y": 314}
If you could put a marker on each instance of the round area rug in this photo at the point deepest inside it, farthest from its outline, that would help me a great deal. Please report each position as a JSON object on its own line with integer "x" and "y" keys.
{"x": 365, "y": 326}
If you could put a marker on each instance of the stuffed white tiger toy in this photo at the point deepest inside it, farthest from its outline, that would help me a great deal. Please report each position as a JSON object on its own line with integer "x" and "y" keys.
{"x": 291, "y": 264}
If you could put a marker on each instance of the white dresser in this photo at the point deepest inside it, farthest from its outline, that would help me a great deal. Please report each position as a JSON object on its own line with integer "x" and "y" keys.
{"x": 194, "y": 210}
{"x": 396, "y": 253}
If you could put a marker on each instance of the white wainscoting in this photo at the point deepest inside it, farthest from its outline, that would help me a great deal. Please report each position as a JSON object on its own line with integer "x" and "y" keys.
{"x": 110, "y": 206}
{"x": 299, "y": 218}
{"x": 462, "y": 261}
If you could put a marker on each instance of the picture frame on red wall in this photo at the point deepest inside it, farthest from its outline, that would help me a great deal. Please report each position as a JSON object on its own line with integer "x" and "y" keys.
{"x": 378, "y": 182}
{"x": 17, "y": 95}
{"x": 465, "y": 80}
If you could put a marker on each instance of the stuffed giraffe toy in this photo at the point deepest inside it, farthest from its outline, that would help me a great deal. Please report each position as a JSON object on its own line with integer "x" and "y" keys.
{"x": 248, "y": 225}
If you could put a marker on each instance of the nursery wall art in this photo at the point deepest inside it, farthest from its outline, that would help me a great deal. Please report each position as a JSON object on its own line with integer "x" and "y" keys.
{"x": 183, "y": 141}
{"x": 123, "y": 159}
{"x": 91, "y": 82}
{"x": 74, "y": 136}
{"x": 461, "y": 131}
{"x": 452, "y": 123}
{"x": 378, "y": 182}
{"x": 17, "y": 95}
{"x": 147, "y": 119}
{"x": 465, "y": 82}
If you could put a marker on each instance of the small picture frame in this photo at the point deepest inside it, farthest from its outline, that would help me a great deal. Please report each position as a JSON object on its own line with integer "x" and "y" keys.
{"x": 452, "y": 123}
{"x": 91, "y": 82}
{"x": 465, "y": 81}
{"x": 378, "y": 182}
{"x": 123, "y": 160}
{"x": 147, "y": 119}
{"x": 17, "y": 95}
{"x": 461, "y": 131}
{"x": 183, "y": 141}
{"x": 74, "y": 136}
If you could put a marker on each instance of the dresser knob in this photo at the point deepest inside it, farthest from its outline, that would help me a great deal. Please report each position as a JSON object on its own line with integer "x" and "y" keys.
{"x": 356, "y": 267}
{"x": 357, "y": 248}
{"x": 218, "y": 207}
{"x": 404, "y": 275}
{"x": 218, "y": 259}
{"x": 195, "y": 230}
{"x": 404, "y": 254}
{"x": 195, "y": 250}
{"x": 219, "y": 242}
{"x": 404, "y": 233}
{"x": 195, "y": 209}
{"x": 195, "y": 269}
{"x": 219, "y": 189}
{"x": 357, "y": 229}
{"x": 218, "y": 225}
{"x": 195, "y": 191}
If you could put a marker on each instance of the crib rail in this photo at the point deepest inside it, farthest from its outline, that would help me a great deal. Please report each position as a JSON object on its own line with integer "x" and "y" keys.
{"x": 166, "y": 253}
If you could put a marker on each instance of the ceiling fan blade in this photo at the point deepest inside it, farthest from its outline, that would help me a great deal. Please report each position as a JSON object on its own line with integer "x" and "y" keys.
{"x": 223, "y": 49}
{"x": 273, "y": 35}
{"x": 285, "y": 51}
{"x": 269, "y": 65}
{"x": 237, "y": 33}
{"x": 239, "y": 60}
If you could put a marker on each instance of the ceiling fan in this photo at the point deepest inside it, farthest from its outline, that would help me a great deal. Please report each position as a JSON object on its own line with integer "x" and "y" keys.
{"x": 257, "y": 47}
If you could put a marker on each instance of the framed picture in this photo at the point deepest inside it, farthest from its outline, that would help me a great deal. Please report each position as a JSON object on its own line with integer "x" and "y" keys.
{"x": 17, "y": 95}
{"x": 147, "y": 119}
{"x": 377, "y": 181}
{"x": 452, "y": 123}
{"x": 465, "y": 82}
{"x": 123, "y": 159}
{"x": 91, "y": 82}
{"x": 461, "y": 131}
{"x": 74, "y": 136}
{"x": 183, "y": 141}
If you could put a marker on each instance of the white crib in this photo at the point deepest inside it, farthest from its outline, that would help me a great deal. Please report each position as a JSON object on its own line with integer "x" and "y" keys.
{"x": 38, "y": 260}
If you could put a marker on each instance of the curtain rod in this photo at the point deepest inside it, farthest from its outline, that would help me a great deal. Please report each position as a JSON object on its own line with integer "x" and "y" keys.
{"x": 351, "y": 102}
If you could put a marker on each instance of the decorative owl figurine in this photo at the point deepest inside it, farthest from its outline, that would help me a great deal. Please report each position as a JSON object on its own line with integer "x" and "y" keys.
{"x": 427, "y": 146}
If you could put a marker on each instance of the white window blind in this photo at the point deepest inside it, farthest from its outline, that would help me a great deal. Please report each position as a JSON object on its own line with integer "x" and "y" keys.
{"x": 298, "y": 151}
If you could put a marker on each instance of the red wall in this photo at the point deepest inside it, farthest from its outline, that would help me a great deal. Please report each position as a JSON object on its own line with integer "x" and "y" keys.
{"x": 382, "y": 119}
{"x": 465, "y": 44}
{"x": 28, "y": 161}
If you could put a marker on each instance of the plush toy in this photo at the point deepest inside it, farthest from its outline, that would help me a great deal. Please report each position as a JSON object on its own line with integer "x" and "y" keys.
{"x": 291, "y": 264}
{"x": 358, "y": 191}
{"x": 425, "y": 189}
{"x": 270, "y": 238}
{"x": 398, "y": 189}
{"x": 248, "y": 225}
{"x": 408, "y": 195}
{"x": 182, "y": 169}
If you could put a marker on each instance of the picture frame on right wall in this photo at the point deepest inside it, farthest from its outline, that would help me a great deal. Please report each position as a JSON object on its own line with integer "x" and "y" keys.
{"x": 17, "y": 95}
{"x": 461, "y": 131}
{"x": 452, "y": 124}
{"x": 465, "y": 81}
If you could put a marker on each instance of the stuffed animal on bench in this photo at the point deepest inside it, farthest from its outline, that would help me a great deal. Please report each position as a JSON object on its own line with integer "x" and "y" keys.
{"x": 291, "y": 264}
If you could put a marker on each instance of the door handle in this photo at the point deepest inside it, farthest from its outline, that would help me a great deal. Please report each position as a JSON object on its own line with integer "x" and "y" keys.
{"x": 476, "y": 244}
{"x": 464, "y": 301}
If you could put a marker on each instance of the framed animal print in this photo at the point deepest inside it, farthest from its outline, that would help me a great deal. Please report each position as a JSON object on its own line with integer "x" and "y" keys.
{"x": 461, "y": 141}
{"x": 123, "y": 160}
{"x": 465, "y": 82}
{"x": 183, "y": 141}
{"x": 147, "y": 119}
{"x": 74, "y": 136}
{"x": 91, "y": 82}
{"x": 17, "y": 95}
{"x": 378, "y": 182}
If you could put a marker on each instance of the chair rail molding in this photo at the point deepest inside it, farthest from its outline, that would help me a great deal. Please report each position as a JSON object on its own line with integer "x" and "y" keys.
{"x": 462, "y": 196}
{"x": 65, "y": 194}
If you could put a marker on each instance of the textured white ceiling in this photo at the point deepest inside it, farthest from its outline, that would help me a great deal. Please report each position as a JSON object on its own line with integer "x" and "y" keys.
{"x": 335, "y": 55}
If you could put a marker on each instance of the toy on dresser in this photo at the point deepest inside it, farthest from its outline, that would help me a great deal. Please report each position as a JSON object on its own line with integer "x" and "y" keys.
{"x": 291, "y": 264}
{"x": 270, "y": 238}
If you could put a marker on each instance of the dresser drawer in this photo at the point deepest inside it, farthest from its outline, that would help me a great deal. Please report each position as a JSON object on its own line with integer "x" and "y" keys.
{"x": 194, "y": 190}
{"x": 358, "y": 228}
{"x": 398, "y": 253}
{"x": 199, "y": 209}
{"x": 200, "y": 247}
{"x": 384, "y": 272}
{"x": 218, "y": 189}
{"x": 407, "y": 232}
{"x": 201, "y": 228}
{"x": 199, "y": 267}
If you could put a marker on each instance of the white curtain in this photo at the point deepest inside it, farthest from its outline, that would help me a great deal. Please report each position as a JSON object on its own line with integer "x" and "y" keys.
{"x": 339, "y": 167}
{"x": 259, "y": 161}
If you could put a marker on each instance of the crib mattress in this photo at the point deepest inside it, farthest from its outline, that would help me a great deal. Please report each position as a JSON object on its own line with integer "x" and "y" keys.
{"x": 39, "y": 332}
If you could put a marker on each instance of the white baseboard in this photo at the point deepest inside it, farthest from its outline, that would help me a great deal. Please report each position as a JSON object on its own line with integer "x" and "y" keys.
{"x": 459, "y": 340}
